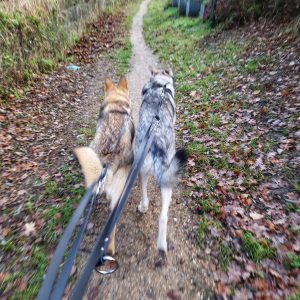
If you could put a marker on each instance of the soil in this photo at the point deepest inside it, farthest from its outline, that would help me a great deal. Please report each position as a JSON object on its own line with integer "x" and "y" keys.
{"x": 139, "y": 277}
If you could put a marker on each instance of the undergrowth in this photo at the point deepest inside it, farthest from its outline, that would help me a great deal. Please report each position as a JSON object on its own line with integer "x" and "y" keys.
{"x": 59, "y": 196}
{"x": 256, "y": 250}
{"x": 123, "y": 53}
{"x": 207, "y": 63}
{"x": 34, "y": 38}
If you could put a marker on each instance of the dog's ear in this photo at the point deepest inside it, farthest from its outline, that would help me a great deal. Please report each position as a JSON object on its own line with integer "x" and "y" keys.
{"x": 153, "y": 71}
{"x": 123, "y": 83}
{"x": 168, "y": 71}
{"x": 108, "y": 84}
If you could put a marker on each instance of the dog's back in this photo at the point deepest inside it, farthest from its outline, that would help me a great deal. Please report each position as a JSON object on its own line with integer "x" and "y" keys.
{"x": 158, "y": 100}
{"x": 115, "y": 130}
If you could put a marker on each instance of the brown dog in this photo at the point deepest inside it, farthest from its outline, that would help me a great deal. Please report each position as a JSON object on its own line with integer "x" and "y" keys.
{"x": 112, "y": 145}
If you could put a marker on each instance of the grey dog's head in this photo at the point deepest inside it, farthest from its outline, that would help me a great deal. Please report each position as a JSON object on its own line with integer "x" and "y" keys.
{"x": 163, "y": 77}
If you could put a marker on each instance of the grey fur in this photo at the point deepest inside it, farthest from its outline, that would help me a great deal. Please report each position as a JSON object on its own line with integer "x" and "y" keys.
{"x": 158, "y": 99}
{"x": 162, "y": 160}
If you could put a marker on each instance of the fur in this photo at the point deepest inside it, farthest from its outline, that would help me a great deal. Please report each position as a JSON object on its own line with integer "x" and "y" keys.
{"x": 107, "y": 148}
{"x": 162, "y": 161}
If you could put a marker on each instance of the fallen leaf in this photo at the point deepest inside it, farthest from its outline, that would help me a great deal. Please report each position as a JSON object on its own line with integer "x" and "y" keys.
{"x": 29, "y": 229}
{"x": 22, "y": 285}
{"x": 256, "y": 216}
{"x": 22, "y": 192}
{"x": 172, "y": 295}
{"x": 260, "y": 284}
{"x": 274, "y": 273}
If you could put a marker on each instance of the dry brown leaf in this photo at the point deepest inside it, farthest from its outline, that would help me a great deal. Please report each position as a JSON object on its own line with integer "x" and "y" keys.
{"x": 256, "y": 216}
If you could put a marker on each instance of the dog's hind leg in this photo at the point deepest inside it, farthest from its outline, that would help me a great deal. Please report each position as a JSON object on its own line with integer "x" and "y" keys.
{"x": 114, "y": 189}
{"x": 143, "y": 206}
{"x": 166, "y": 195}
{"x": 111, "y": 246}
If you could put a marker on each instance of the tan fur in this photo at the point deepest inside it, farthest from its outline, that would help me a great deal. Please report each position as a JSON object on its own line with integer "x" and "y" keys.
{"x": 104, "y": 149}
{"x": 90, "y": 164}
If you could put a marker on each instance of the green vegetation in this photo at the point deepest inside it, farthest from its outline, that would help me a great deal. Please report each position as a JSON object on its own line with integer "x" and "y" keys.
{"x": 202, "y": 230}
{"x": 225, "y": 256}
{"x": 297, "y": 186}
{"x": 196, "y": 148}
{"x": 177, "y": 35}
{"x": 208, "y": 205}
{"x": 212, "y": 68}
{"x": 256, "y": 250}
{"x": 87, "y": 132}
{"x": 35, "y": 35}
{"x": 296, "y": 297}
{"x": 122, "y": 57}
{"x": 54, "y": 218}
{"x": 291, "y": 261}
{"x": 29, "y": 44}
{"x": 290, "y": 207}
{"x": 58, "y": 216}
{"x": 39, "y": 263}
{"x": 59, "y": 194}
{"x": 123, "y": 53}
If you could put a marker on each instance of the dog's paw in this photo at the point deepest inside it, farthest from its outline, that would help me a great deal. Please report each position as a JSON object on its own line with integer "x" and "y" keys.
{"x": 162, "y": 259}
{"x": 143, "y": 209}
{"x": 162, "y": 245}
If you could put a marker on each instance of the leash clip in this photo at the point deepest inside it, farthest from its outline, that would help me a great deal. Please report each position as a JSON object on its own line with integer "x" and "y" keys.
{"x": 109, "y": 264}
{"x": 100, "y": 183}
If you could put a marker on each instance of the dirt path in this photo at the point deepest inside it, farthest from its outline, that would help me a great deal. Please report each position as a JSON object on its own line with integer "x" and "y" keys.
{"x": 142, "y": 58}
{"x": 137, "y": 277}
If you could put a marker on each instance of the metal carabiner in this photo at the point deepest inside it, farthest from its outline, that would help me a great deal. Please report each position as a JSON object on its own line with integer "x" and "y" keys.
{"x": 111, "y": 261}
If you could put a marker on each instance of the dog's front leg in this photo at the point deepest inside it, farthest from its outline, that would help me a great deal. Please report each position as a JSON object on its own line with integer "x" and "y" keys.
{"x": 166, "y": 194}
{"x": 143, "y": 206}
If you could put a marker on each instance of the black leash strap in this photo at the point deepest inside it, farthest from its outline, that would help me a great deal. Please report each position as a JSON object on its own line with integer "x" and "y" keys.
{"x": 102, "y": 242}
{"x": 47, "y": 291}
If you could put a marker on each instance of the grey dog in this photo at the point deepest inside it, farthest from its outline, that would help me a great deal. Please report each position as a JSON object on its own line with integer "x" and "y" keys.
{"x": 162, "y": 161}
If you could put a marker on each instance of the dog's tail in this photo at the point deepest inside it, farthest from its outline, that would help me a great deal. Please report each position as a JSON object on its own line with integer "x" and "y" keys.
{"x": 90, "y": 164}
{"x": 171, "y": 175}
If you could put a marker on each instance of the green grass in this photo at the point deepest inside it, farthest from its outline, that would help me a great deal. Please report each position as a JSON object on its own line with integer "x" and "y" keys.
{"x": 208, "y": 205}
{"x": 55, "y": 218}
{"x": 225, "y": 256}
{"x": 211, "y": 182}
{"x": 252, "y": 66}
{"x": 123, "y": 53}
{"x": 295, "y": 230}
{"x": 197, "y": 148}
{"x": 290, "y": 207}
{"x": 177, "y": 35}
{"x": 296, "y": 297}
{"x": 38, "y": 262}
{"x": 87, "y": 132}
{"x": 122, "y": 57}
{"x": 297, "y": 186}
{"x": 256, "y": 250}
{"x": 202, "y": 230}
{"x": 291, "y": 261}
{"x": 30, "y": 44}
{"x": 214, "y": 120}
{"x": 51, "y": 188}
{"x": 208, "y": 67}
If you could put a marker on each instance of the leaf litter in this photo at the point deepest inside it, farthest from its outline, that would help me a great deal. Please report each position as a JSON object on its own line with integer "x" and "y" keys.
{"x": 247, "y": 177}
{"x": 38, "y": 134}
